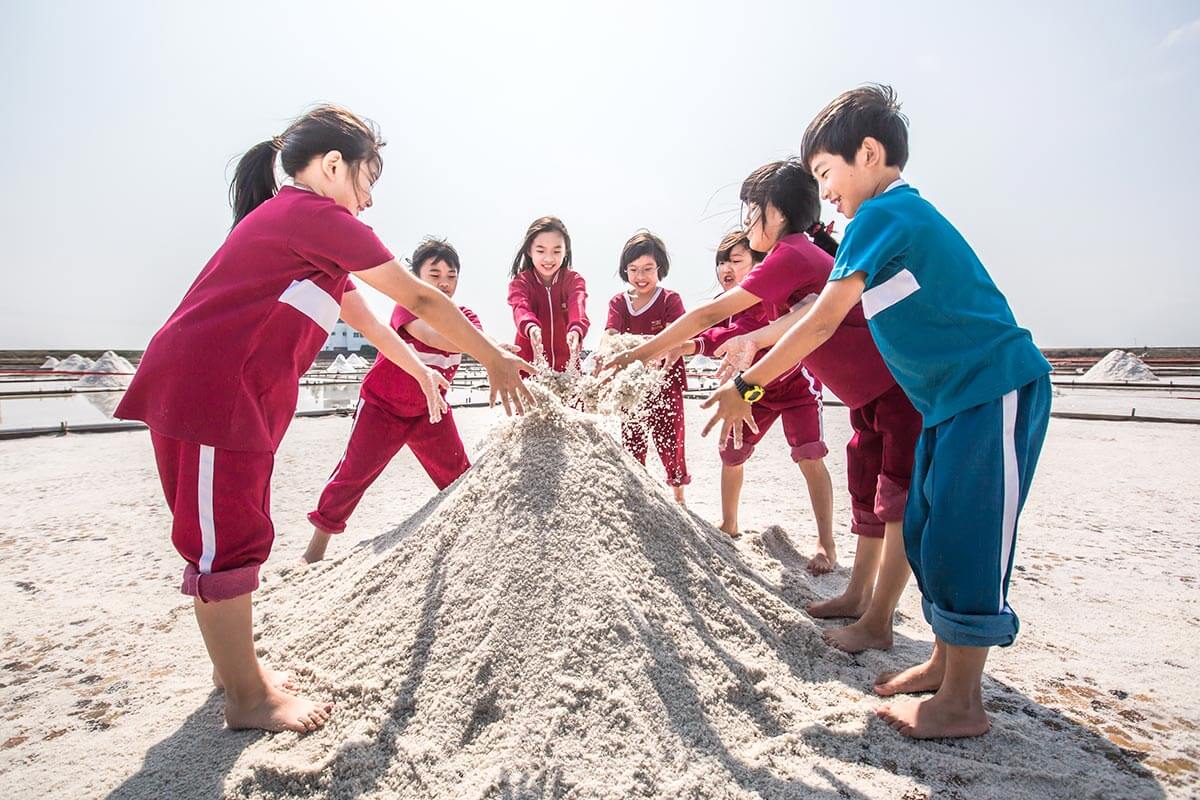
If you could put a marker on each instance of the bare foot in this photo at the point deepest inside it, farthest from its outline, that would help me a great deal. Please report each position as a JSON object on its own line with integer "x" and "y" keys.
{"x": 278, "y": 711}
{"x": 732, "y": 530}
{"x": 823, "y": 562}
{"x": 678, "y": 491}
{"x": 924, "y": 677}
{"x": 841, "y": 606}
{"x": 274, "y": 677}
{"x": 316, "y": 546}
{"x": 858, "y": 636}
{"x": 935, "y": 718}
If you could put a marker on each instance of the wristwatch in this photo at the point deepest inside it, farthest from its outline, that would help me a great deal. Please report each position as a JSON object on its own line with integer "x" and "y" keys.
{"x": 750, "y": 392}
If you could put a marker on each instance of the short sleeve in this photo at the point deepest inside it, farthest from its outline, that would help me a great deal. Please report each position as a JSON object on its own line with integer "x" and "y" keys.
{"x": 873, "y": 238}
{"x": 783, "y": 273}
{"x": 616, "y": 314}
{"x": 401, "y": 316}
{"x": 471, "y": 318}
{"x": 675, "y": 308}
{"x": 334, "y": 240}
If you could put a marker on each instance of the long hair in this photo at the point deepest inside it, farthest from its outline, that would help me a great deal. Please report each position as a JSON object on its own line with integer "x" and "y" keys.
{"x": 791, "y": 188}
{"x": 321, "y": 130}
{"x": 523, "y": 261}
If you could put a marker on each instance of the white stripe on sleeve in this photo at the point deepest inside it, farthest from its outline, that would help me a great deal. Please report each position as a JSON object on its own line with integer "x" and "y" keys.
{"x": 314, "y": 302}
{"x": 888, "y": 293}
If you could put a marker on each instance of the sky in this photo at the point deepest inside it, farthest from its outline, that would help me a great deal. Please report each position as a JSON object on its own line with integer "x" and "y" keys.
{"x": 1060, "y": 138}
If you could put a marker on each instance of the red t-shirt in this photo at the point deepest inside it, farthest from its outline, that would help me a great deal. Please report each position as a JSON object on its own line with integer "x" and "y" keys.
{"x": 224, "y": 370}
{"x": 663, "y": 309}
{"x": 556, "y": 309}
{"x": 796, "y": 385}
{"x": 389, "y": 386}
{"x": 848, "y": 363}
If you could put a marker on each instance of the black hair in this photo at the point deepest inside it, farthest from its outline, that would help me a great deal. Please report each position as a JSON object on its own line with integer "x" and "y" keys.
{"x": 791, "y": 188}
{"x": 523, "y": 260}
{"x": 736, "y": 238}
{"x": 644, "y": 243}
{"x": 321, "y": 130}
{"x": 870, "y": 110}
{"x": 432, "y": 249}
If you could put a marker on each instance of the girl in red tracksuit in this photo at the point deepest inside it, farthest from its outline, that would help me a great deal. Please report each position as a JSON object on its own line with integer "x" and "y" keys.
{"x": 795, "y": 398}
{"x": 645, "y": 309}
{"x": 392, "y": 411}
{"x": 548, "y": 298}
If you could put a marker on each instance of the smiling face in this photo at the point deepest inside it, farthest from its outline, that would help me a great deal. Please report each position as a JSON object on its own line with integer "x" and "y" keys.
{"x": 440, "y": 275}
{"x": 547, "y": 251}
{"x": 847, "y": 185}
{"x": 643, "y": 275}
{"x": 764, "y": 226}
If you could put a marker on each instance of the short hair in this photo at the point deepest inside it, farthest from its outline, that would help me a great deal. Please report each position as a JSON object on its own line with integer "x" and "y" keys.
{"x": 736, "y": 238}
{"x": 433, "y": 249}
{"x": 644, "y": 243}
{"x": 870, "y": 110}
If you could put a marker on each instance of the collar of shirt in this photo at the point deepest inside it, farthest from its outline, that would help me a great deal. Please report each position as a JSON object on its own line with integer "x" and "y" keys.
{"x": 894, "y": 184}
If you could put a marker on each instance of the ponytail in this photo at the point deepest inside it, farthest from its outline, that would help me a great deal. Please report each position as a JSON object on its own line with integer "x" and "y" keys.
{"x": 822, "y": 236}
{"x": 321, "y": 130}
{"x": 254, "y": 179}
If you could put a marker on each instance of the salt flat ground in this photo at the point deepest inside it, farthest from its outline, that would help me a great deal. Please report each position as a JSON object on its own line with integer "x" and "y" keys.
{"x": 102, "y": 662}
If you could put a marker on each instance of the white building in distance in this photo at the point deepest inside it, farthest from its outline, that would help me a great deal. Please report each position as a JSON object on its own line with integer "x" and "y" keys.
{"x": 344, "y": 338}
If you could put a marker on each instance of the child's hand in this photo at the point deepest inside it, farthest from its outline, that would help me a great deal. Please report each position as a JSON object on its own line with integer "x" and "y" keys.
{"x": 732, "y": 411}
{"x": 738, "y": 355}
{"x": 433, "y": 383}
{"x": 574, "y": 343}
{"x": 535, "y": 341}
{"x": 504, "y": 377}
{"x": 509, "y": 347}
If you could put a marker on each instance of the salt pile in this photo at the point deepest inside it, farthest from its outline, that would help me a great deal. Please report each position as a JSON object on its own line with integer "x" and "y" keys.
{"x": 110, "y": 371}
{"x": 1117, "y": 367}
{"x": 703, "y": 364}
{"x": 50, "y": 363}
{"x": 340, "y": 366}
{"x": 555, "y": 625}
{"x": 75, "y": 363}
{"x": 357, "y": 361}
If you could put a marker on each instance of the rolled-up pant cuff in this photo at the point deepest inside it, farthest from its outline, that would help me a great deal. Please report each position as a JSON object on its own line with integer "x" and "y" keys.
{"x": 809, "y": 451}
{"x": 864, "y": 522}
{"x": 684, "y": 481}
{"x": 890, "y": 499}
{"x": 972, "y": 630}
{"x": 224, "y": 585}
{"x": 324, "y": 524}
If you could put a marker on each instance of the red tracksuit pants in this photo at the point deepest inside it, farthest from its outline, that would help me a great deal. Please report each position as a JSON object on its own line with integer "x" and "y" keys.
{"x": 664, "y": 419}
{"x": 375, "y": 439}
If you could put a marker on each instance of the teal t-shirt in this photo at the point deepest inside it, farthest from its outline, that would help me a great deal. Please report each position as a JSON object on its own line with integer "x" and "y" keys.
{"x": 943, "y": 328}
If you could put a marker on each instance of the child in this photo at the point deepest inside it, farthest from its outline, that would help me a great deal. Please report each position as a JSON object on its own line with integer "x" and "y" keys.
{"x": 796, "y": 397}
{"x": 784, "y": 209}
{"x": 645, "y": 309}
{"x": 548, "y": 298}
{"x": 218, "y": 383}
{"x": 392, "y": 411}
{"x": 979, "y": 382}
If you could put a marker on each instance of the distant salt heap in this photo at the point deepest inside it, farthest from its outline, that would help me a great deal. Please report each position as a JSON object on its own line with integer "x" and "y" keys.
{"x": 1117, "y": 367}
{"x": 357, "y": 361}
{"x": 50, "y": 363}
{"x": 75, "y": 363}
{"x": 703, "y": 364}
{"x": 110, "y": 371}
{"x": 340, "y": 366}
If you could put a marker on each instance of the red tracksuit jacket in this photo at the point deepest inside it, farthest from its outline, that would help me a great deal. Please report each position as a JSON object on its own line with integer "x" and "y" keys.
{"x": 556, "y": 309}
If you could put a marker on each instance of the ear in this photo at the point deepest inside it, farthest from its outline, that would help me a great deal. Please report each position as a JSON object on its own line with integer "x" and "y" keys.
{"x": 331, "y": 162}
{"x": 872, "y": 152}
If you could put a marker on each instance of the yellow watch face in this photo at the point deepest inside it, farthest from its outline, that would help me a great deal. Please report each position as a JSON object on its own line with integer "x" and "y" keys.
{"x": 753, "y": 394}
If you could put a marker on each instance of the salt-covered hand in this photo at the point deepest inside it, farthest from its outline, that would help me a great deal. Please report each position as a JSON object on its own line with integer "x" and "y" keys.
{"x": 433, "y": 383}
{"x": 737, "y": 355}
{"x": 504, "y": 376}
{"x": 535, "y": 341}
{"x": 574, "y": 343}
{"x": 509, "y": 347}
{"x": 732, "y": 412}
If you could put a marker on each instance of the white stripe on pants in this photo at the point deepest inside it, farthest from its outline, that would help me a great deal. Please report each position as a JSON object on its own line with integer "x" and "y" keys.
{"x": 204, "y": 502}
{"x": 1012, "y": 487}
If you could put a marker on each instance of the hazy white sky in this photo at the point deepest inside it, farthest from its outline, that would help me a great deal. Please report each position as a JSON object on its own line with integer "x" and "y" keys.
{"x": 1059, "y": 137}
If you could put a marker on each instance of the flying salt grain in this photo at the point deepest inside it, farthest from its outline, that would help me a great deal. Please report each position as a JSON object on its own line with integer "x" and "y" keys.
{"x": 1118, "y": 367}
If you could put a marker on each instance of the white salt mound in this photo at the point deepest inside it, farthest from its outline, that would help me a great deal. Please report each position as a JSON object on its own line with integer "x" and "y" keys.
{"x": 75, "y": 363}
{"x": 357, "y": 361}
{"x": 703, "y": 364}
{"x": 110, "y": 371}
{"x": 553, "y": 625}
{"x": 1119, "y": 366}
{"x": 50, "y": 363}
{"x": 340, "y": 366}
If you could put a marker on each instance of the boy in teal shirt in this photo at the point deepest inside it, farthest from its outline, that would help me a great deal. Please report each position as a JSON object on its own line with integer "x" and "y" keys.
{"x": 983, "y": 389}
